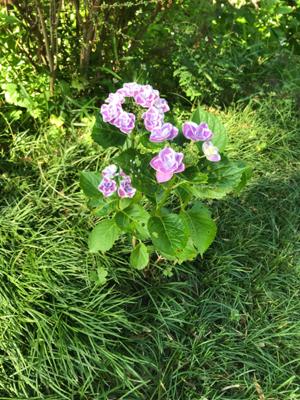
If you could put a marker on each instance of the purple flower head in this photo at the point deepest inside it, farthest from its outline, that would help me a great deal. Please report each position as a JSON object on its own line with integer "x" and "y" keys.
{"x": 110, "y": 112}
{"x": 146, "y": 96}
{"x": 166, "y": 132}
{"x": 107, "y": 187}
{"x": 125, "y": 188}
{"x": 211, "y": 152}
{"x": 125, "y": 122}
{"x": 110, "y": 171}
{"x": 196, "y": 132}
{"x": 167, "y": 163}
{"x": 129, "y": 89}
{"x": 153, "y": 118}
{"x": 161, "y": 105}
{"x": 115, "y": 98}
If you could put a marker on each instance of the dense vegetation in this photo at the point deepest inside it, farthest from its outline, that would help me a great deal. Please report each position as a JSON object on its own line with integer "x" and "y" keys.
{"x": 76, "y": 325}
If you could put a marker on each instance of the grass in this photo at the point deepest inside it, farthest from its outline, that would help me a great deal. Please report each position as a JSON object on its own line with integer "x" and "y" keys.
{"x": 223, "y": 328}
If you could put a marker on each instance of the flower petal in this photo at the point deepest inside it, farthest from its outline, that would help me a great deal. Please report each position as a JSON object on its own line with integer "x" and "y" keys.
{"x": 156, "y": 163}
{"x": 189, "y": 129}
{"x": 214, "y": 157}
{"x": 163, "y": 176}
{"x": 181, "y": 168}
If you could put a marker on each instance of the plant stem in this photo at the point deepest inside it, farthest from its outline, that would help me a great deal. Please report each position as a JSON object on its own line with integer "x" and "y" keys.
{"x": 164, "y": 196}
{"x": 133, "y": 241}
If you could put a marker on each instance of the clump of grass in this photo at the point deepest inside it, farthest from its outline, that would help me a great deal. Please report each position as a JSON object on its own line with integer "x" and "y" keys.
{"x": 225, "y": 327}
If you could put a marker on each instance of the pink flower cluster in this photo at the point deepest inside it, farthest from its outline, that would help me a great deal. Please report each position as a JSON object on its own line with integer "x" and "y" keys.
{"x": 168, "y": 162}
{"x": 108, "y": 186}
{"x": 145, "y": 96}
{"x": 202, "y": 133}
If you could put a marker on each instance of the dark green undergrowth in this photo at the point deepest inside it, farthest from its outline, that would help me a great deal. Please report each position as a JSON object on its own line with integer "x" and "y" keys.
{"x": 223, "y": 328}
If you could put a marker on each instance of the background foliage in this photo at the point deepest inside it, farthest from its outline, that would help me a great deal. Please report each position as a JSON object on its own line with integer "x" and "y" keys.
{"x": 76, "y": 325}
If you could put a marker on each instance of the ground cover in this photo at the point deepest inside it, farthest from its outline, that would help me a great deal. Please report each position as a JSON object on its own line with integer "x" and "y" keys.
{"x": 225, "y": 327}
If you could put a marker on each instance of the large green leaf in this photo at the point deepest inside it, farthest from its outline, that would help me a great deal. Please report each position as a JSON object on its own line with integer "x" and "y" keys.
{"x": 134, "y": 219}
{"x": 225, "y": 177}
{"x": 214, "y": 124}
{"x": 202, "y": 227}
{"x": 103, "y": 236}
{"x": 139, "y": 257}
{"x": 189, "y": 253}
{"x": 107, "y": 135}
{"x": 89, "y": 182}
{"x": 194, "y": 175}
{"x": 169, "y": 233}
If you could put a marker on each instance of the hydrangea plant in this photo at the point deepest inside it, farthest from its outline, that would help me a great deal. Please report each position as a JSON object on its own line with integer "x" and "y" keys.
{"x": 154, "y": 186}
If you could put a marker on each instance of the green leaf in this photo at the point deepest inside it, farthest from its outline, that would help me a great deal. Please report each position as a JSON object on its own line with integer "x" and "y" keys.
{"x": 106, "y": 208}
{"x": 192, "y": 174}
{"x": 139, "y": 257}
{"x": 103, "y": 236}
{"x": 202, "y": 227}
{"x": 99, "y": 276}
{"x": 285, "y": 10}
{"x": 184, "y": 193}
{"x": 95, "y": 202}
{"x": 214, "y": 124}
{"x": 8, "y": 19}
{"x": 156, "y": 147}
{"x": 189, "y": 253}
{"x": 125, "y": 202}
{"x": 89, "y": 182}
{"x": 169, "y": 233}
{"x": 224, "y": 177}
{"x": 134, "y": 219}
{"x": 107, "y": 135}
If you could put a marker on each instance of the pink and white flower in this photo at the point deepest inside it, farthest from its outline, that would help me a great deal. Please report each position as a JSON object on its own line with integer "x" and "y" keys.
{"x": 153, "y": 118}
{"x": 146, "y": 96}
{"x": 196, "y": 132}
{"x": 125, "y": 122}
{"x": 125, "y": 188}
{"x": 107, "y": 187}
{"x": 110, "y": 112}
{"x": 211, "y": 152}
{"x": 166, "y": 132}
{"x": 110, "y": 171}
{"x": 116, "y": 98}
{"x": 167, "y": 163}
{"x": 162, "y": 105}
{"x": 129, "y": 89}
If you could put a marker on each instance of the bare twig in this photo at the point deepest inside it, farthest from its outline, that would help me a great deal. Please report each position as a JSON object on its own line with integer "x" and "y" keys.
{"x": 49, "y": 53}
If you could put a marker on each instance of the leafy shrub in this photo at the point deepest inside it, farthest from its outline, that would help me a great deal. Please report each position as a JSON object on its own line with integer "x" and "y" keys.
{"x": 166, "y": 215}
{"x": 225, "y": 50}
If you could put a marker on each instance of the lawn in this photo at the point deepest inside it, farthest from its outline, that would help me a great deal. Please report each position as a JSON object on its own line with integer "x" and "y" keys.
{"x": 224, "y": 327}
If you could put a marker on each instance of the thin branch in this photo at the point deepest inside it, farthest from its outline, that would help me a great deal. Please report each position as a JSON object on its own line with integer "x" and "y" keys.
{"x": 47, "y": 46}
